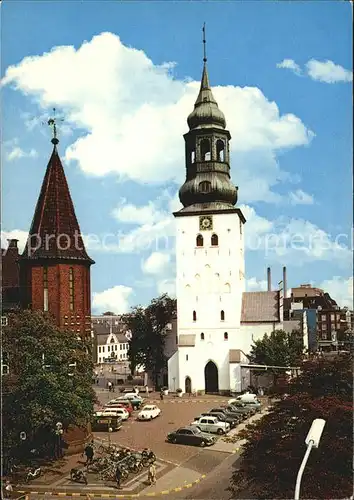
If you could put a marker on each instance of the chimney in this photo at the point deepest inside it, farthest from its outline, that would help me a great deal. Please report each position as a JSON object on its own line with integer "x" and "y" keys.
{"x": 12, "y": 243}
{"x": 269, "y": 279}
{"x": 284, "y": 282}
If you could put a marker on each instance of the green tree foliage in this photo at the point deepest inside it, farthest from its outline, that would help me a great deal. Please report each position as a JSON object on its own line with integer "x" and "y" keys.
{"x": 148, "y": 328}
{"x": 278, "y": 349}
{"x": 38, "y": 392}
{"x": 276, "y": 444}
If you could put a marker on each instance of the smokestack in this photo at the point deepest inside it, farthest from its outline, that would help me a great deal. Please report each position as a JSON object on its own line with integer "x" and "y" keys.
{"x": 284, "y": 282}
{"x": 269, "y": 279}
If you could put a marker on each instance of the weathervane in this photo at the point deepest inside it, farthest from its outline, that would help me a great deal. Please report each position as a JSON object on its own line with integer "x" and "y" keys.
{"x": 52, "y": 122}
{"x": 204, "y": 45}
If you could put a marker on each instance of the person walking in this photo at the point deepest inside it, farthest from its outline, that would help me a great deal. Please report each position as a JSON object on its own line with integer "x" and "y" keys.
{"x": 110, "y": 386}
{"x": 152, "y": 474}
{"x": 161, "y": 395}
{"x": 118, "y": 477}
{"x": 89, "y": 453}
{"x": 147, "y": 391}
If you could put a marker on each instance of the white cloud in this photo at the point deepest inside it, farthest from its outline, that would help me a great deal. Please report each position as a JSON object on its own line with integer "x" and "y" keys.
{"x": 290, "y": 64}
{"x": 254, "y": 285}
{"x": 16, "y": 153}
{"x": 156, "y": 264}
{"x": 116, "y": 299}
{"x": 340, "y": 289}
{"x": 167, "y": 286}
{"x": 17, "y": 234}
{"x": 299, "y": 197}
{"x": 132, "y": 214}
{"x": 328, "y": 71}
{"x": 134, "y": 129}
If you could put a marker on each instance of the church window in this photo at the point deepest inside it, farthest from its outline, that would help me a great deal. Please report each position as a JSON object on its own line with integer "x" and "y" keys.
{"x": 71, "y": 288}
{"x": 202, "y": 336}
{"x": 227, "y": 288}
{"x": 205, "y": 150}
{"x": 108, "y": 348}
{"x": 226, "y": 336}
{"x": 214, "y": 240}
{"x": 112, "y": 340}
{"x": 205, "y": 187}
{"x": 220, "y": 150}
{"x": 222, "y": 315}
{"x": 192, "y": 156}
{"x": 99, "y": 349}
{"x": 199, "y": 240}
{"x": 116, "y": 347}
{"x": 194, "y": 316}
{"x": 45, "y": 289}
{"x": 186, "y": 357}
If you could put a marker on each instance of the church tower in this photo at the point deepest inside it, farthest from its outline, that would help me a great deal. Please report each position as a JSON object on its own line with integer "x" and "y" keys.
{"x": 209, "y": 253}
{"x": 54, "y": 266}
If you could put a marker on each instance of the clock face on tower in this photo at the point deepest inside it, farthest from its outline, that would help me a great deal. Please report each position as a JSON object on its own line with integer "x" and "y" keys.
{"x": 205, "y": 223}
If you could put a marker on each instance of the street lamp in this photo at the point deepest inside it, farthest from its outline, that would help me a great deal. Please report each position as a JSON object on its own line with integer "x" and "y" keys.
{"x": 59, "y": 432}
{"x": 312, "y": 441}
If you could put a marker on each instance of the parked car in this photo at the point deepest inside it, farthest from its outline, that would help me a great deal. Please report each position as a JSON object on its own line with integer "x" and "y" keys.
{"x": 118, "y": 411}
{"x": 103, "y": 422}
{"x": 136, "y": 401}
{"x": 246, "y": 408}
{"x": 122, "y": 403}
{"x": 149, "y": 412}
{"x": 190, "y": 435}
{"x": 233, "y": 421}
{"x": 255, "y": 404}
{"x": 212, "y": 424}
{"x": 236, "y": 413}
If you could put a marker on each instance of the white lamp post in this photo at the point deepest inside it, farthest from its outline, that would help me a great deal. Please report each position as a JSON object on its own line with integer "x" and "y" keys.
{"x": 312, "y": 441}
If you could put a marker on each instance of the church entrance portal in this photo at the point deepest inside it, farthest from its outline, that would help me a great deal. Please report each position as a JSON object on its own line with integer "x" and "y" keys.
{"x": 188, "y": 385}
{"x": 211, "y": 378}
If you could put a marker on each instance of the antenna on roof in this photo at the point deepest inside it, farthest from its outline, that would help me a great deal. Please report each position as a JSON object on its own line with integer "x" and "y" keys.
{"x": 204, "y": 45}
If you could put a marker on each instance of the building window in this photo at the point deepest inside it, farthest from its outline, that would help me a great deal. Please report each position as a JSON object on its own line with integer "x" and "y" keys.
{"x": 205, "y": 187}
{"x": 323, "y": 317}
{"x": 120, "y": 356}
{"x": 4, "y": 321}
{"x": 71, "y": 288}
{"x": 103, "y": 348}
{"x": 202, "y": 336}
{"x": 120, "y": 347}
{"x": 192, "y": 157}
{"x": 199, "y": 240}
{"x": 45, "y": 289}
{"x": 324, "y": 326}
{"x": 332, "y": 317}
{"x": 324, "y": 335}
{"x": 116, "y": 347}
{"x": 194, "y": 316}
{"x": 220, "y": 150}
{"x": 5, "y": 365}
{"x": 222, "y": 315}
{"x": 226, "y": 336}
{"x": 99, "y": 360}
{"x": 108, "y": 348}
{"x": 99, "y": 349}
{"x": 205, "y": 150}
{"x": 214, "y": 240}
{"x": 186, "y": 357}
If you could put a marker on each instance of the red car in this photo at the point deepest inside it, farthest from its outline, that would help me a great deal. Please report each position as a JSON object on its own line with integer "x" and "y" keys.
{"x": 121, "y": 404}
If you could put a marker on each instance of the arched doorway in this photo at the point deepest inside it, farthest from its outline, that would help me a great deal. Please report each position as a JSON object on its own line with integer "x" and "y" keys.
{"x": 188, "y": 385}
{"x": 211, "y": 377}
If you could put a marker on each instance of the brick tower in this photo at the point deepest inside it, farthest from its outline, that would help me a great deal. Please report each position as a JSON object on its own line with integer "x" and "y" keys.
{"x": 54, "y": 266}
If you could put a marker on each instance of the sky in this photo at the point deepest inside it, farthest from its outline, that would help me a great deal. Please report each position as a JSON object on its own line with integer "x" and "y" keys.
{"x": 124, "y": 76}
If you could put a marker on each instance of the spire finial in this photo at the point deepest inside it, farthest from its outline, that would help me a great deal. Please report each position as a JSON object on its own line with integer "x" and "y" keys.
{"x": 204, "y": 45}
{"x": 52, "y": 122}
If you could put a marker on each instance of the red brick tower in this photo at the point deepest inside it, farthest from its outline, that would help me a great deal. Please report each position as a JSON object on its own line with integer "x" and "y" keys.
{"x": 54, "y": 266}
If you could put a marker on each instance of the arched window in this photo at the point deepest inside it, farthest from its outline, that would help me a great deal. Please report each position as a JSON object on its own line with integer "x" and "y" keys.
{"x": 112, "y": 340}
{"x": 205, "y": 150}
{"x": 202, "y": 336}
{"x": 192, "y": 156}
{"x": 227, "y": 288}
{"x": 194, "y": 316}
{"x": 71, "y": 288}
{"x": 199, "y": 240}
{"x": 214, "y": 240}
{"x": 205, "y": 187}
{"x": 220, "y": 150}
{"x": 226, "y": 336}
{"x": 222, "y": 315}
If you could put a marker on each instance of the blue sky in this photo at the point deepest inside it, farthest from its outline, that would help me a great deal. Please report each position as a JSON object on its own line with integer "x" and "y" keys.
{"x": 282, "y": 72}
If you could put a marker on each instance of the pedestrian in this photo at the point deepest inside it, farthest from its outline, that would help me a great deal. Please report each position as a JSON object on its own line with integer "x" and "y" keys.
{"x": 136, "y": 390}
{"x": 118, "y": 477}
{"x": 110, "y": 386}
{"x": 161, "y": 395}
{"x": 89, "y": 453}
{"x": 147, "y": 391}
{"x": 9, "y": 490}
{"x": 152, "y": 474}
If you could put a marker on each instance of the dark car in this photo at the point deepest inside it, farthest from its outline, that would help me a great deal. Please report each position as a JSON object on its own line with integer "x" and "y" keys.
{"x": 190, "y": 435}
{"x": 233, "y": 421}
{"x": 228, "y": 413}
{"x": 242, "y": 407}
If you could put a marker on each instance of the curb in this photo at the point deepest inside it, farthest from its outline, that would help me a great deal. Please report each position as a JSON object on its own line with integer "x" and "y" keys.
{"x": 110, "y": 495}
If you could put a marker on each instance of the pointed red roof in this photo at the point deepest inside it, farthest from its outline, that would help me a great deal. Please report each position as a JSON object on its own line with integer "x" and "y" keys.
{"x": 55, "y": 232}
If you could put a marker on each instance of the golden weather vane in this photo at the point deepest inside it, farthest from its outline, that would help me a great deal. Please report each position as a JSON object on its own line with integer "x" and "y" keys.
{"x": 52, "y": 122}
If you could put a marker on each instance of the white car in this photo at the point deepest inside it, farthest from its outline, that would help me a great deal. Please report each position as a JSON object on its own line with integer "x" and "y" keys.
{"x": 116, "y": 411}
{"x": 211, "y": 424}
{"x": 149, "y": 412}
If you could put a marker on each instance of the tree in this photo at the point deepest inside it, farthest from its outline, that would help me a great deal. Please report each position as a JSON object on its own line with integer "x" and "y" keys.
{"x": 148, "y": 329}
{"x": 276, "y": 443}
{"x": 49, "y": 380}
{"x": 278, "y": 349}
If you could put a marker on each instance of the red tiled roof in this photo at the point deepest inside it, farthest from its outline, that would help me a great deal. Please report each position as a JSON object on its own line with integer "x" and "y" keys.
{"x": 55, "y": 231}
{"x": 260, "y": 307}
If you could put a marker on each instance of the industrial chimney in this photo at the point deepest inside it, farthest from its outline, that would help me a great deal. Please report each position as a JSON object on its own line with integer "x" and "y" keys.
{"x": 269, "y": 279}
{"x": 284, "y": 282}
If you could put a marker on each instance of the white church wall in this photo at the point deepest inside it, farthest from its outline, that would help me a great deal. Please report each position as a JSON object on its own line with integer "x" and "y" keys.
{"x": 173, "y": 372}
{"x": 252, "y": 332}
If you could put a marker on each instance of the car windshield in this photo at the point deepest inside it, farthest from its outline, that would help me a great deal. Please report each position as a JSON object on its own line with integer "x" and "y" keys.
{"x": 148, "y": 408}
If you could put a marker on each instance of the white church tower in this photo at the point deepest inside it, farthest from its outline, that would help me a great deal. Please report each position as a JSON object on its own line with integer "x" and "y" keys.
{"x": 209, "y": 255}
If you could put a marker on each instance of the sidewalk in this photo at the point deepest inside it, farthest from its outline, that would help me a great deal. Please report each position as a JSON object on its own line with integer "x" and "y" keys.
{"x": 175, "y": 480}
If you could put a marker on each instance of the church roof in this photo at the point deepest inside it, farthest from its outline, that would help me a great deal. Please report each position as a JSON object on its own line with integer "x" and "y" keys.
{"x": 260, "y": 307}
{"x": 55, "y": 231}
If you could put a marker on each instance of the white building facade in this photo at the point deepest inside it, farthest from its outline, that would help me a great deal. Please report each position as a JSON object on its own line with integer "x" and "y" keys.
{"x": 217, "y": 321}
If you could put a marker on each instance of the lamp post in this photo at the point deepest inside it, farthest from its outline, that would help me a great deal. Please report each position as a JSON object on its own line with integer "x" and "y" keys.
{"x": 312, "y": 441}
